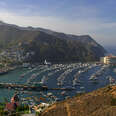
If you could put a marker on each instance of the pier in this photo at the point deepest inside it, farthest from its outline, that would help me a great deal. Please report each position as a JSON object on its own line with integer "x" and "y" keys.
{"x": 30, "y": 87}
{"x": 23, "y": 87}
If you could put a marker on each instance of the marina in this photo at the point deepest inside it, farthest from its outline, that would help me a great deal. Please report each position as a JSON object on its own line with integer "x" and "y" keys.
{"x": 60, "y": 80}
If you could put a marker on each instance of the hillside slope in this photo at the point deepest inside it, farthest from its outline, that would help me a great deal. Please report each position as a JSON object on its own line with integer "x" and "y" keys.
{"x": 54, "y": 46}
{"x": 98, "y": 103}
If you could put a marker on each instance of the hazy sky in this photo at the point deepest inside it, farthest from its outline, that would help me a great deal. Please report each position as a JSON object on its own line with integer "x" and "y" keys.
{"x": 94, "y": 17}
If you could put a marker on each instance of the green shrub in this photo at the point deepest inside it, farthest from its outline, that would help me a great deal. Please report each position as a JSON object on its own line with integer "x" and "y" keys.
{"x": 24, "y": 108}
{"x": 113, "y": 101}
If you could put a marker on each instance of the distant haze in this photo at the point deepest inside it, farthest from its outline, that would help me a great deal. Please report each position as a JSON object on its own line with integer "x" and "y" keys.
{"x": 81, "y": 17}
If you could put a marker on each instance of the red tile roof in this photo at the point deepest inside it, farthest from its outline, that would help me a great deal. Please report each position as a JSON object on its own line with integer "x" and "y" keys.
{"x": 11, "y": 106}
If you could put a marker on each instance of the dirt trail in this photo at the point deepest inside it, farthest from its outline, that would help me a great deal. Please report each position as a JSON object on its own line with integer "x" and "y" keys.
{"x": 68, "y": 109}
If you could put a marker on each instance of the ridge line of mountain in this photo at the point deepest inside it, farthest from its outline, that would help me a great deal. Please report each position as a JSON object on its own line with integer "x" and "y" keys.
{"x": 50, "y": 45}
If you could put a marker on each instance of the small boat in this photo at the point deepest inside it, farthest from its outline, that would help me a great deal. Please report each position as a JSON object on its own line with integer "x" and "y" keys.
{"x": 111, "y": 80}
{"x": 63, "y": 92}
{"x": 82, "y": 88}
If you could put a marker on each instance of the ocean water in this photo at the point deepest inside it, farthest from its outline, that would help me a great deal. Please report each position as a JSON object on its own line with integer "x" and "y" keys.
{"x": 51, "y": 75}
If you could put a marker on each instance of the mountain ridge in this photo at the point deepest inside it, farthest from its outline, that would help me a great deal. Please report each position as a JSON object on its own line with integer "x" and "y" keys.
{"x": 50, "y": 45}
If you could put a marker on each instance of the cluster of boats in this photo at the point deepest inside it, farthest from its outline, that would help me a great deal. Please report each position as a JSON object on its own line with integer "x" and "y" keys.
{"x": 94, "y": 77}
{"x": 66, "y": 70}
{"x": 82, "y": 69}
{"x": 67, "y": 76}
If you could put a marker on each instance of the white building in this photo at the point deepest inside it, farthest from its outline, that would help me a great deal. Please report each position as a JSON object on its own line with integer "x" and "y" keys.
{"x": 108, "y": 59}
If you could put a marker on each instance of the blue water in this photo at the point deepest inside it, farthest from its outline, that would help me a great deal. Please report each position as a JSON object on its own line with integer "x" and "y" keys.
{"x": 52, "y": 74}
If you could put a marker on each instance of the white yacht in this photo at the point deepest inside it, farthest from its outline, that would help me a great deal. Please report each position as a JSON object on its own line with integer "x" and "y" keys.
{"x": 47, "y": 63}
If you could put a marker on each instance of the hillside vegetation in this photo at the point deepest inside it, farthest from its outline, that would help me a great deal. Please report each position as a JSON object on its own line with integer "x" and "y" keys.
{"x": 98, "y": 103}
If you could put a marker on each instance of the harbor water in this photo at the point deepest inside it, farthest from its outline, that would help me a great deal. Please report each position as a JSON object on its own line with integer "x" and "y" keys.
{"x": 81, "y": 77}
